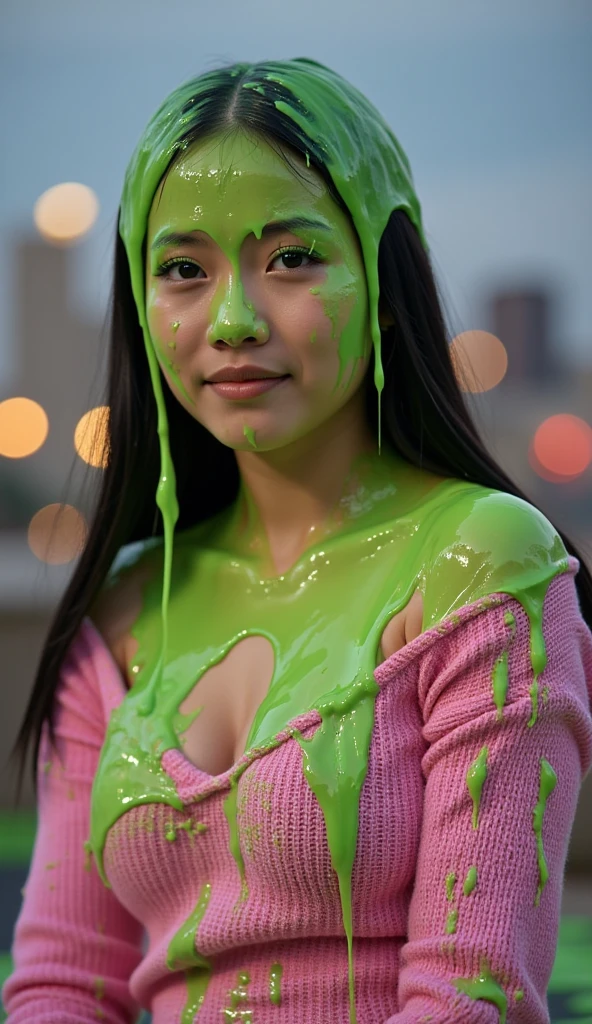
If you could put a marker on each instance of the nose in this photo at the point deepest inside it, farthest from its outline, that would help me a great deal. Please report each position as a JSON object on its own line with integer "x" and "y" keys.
{"x": 234, "y": 320}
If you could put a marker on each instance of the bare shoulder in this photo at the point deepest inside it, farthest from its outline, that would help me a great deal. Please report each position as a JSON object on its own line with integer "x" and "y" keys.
{"x": 118, "y": 604}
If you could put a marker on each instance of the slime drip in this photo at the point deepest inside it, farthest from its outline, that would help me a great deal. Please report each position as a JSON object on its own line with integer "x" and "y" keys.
{"x": 275, "y": 984}
{"x": 451, "y": 922}
{"x": 238, "y": 997}
{"x": 500, "y": 670}
{"x": 250, "y": 436}
{"x": 534, "y": 695}
{"x": 546, "y": 787}
{"x": 484, "y": 986}
{"x": 182, "y": 955}
{"x": 470, "y": 881}
{"x": 450, "y": 883}
{"x": 230, "y": 812}
{"x": 476, "y": 776}
{"x": 335, "y": 765}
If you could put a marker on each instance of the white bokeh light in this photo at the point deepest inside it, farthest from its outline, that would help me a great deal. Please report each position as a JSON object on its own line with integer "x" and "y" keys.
{"x": 65, "y": 213}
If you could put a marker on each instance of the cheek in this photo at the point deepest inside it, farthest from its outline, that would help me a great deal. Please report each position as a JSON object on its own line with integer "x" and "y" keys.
{"x": 159, "y": 315}
{"x": 171, "y": 328}
{"x": 341, "y": 347}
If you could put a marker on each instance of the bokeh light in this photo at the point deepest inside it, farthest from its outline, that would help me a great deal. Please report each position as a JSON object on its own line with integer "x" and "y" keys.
{"x": 561, "y": 448}
{"x": 64, "y": 213}
{"x": 91, "y": 436}
{"x": 57, "y": 534}
{"x": 23, "y": 427}
{"x": 479, "y": 359}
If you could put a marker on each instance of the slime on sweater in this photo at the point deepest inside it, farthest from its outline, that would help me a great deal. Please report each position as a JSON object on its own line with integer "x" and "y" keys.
{"x": 77, "y": 951}
{"x": 458, "y": 544}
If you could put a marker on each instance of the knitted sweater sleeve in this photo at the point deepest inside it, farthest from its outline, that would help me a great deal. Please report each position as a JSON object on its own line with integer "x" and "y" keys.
{"x": 74, "y": 946}
{"x": 500, "y": 796}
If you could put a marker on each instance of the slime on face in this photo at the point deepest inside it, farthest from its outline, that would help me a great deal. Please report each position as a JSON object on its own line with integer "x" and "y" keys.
{"x": 428, "y": 538}
{"x": 226, "y": 212}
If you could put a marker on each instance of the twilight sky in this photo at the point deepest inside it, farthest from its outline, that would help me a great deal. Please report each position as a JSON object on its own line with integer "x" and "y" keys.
{"x": 490, "y": 101}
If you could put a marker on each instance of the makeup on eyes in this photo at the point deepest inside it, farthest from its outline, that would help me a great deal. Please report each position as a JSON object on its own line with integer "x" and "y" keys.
{"x": 313, "y": 255}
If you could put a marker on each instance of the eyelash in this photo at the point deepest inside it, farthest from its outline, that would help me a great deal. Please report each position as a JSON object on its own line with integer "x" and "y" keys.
{"x": 163, "y": 268}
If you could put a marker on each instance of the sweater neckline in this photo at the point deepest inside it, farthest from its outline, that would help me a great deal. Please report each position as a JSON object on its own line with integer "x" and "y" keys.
{"x": 194, "y": 784}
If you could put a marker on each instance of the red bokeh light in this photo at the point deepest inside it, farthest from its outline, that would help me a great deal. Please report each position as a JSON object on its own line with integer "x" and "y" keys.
{"x": 561, "y": 448}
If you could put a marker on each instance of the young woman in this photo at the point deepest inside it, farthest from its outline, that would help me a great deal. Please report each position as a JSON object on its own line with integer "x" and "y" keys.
{"x": 313, "y": 713}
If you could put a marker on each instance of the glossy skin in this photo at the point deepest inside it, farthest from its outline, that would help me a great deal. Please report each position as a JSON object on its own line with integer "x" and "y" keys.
{"x": 227, "y": 299}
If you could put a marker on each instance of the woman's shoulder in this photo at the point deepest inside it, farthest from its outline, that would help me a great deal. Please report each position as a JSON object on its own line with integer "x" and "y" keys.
{"x": 484, "y": 541}
{"x": 502, "y": 524}
{"x": 118, "y": 603}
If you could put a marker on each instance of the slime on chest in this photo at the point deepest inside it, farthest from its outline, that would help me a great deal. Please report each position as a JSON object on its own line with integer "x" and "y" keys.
{"x": 326, "y": 645}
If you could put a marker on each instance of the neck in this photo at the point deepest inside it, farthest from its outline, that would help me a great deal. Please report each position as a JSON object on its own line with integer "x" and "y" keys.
{"x": 292, "y": 497}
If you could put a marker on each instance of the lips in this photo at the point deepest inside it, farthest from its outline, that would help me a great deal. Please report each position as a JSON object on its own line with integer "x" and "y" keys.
{"x": 242, "y": 373}
{"x": 246, "y": 389}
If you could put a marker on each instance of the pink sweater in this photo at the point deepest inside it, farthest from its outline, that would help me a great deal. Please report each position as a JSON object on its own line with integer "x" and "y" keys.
{"x": 80, "y": 951}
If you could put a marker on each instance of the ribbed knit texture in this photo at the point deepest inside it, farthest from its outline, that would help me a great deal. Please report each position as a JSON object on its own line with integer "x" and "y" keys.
{"x": 79, "y": 949}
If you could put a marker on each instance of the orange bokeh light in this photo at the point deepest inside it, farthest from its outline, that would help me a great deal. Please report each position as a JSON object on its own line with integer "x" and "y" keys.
{"x": 23, "y": 427}
{"x": 57, "y": 534}
{"x": 479, "y": 359}
{"x": 562, "y": 447}
{"x": 91, "y": 436}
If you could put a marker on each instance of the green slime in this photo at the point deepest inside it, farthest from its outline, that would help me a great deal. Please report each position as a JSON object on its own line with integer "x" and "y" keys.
{"x": 485, "y": 987}
{"x": 250, "y": 436}
{"x": 500, "y": 670}
{"x": 238, "y": 997}
{"x": 547, "y": 785}
{"x": 182, "y": 955}
{"x": 450, "y": 883}
{"x": 275, "y": 984}
{"x": 476, "y": 776}
{"x": 458, "y": 544}
{"x": 470, "y": 881}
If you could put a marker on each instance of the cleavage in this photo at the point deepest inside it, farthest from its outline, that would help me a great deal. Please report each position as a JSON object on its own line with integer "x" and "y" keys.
{"x": 229, "y": 695}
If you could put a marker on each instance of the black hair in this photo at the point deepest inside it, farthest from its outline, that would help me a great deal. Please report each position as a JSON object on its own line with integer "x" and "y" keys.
{"x": 425, "y": 418}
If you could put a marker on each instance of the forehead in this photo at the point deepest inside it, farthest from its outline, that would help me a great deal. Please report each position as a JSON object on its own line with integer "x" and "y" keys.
{"x": 237, "y": 184}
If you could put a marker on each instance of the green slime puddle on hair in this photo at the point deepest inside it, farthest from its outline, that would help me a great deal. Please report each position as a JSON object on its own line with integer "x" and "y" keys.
{"x": 442, "y": 545}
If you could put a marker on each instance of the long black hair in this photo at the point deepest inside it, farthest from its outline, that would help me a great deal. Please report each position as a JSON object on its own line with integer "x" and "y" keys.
{"x": 424, "y": 415}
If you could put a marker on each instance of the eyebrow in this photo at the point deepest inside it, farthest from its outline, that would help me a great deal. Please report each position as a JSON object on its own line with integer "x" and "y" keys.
{"x": 274, "y": 227}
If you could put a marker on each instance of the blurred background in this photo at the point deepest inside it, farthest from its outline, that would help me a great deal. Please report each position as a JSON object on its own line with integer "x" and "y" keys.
{"x": 491, "y": 104}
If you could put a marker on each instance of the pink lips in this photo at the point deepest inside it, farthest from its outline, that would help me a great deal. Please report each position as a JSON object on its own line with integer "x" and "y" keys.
{"x": 235, "y": 389}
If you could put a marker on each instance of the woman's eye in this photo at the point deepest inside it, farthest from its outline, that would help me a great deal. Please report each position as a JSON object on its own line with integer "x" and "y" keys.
{"x": 293, "y": 258}
{"x": 187, "y": 271}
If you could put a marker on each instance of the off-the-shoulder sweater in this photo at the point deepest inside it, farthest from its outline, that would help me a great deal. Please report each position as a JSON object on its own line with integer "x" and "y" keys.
{"x": 457, "y": 880}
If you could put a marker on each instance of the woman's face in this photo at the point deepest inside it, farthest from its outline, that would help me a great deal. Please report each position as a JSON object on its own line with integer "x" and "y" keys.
{"x": 249, "y": 264}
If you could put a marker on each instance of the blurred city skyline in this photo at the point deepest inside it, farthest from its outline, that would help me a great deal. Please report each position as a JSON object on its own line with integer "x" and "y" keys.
{"x": 490, "y": 105}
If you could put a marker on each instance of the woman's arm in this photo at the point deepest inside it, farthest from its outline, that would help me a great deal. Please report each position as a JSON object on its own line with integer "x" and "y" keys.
{"x": 75, "y": 946}
{"x": 500, "y": 798}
